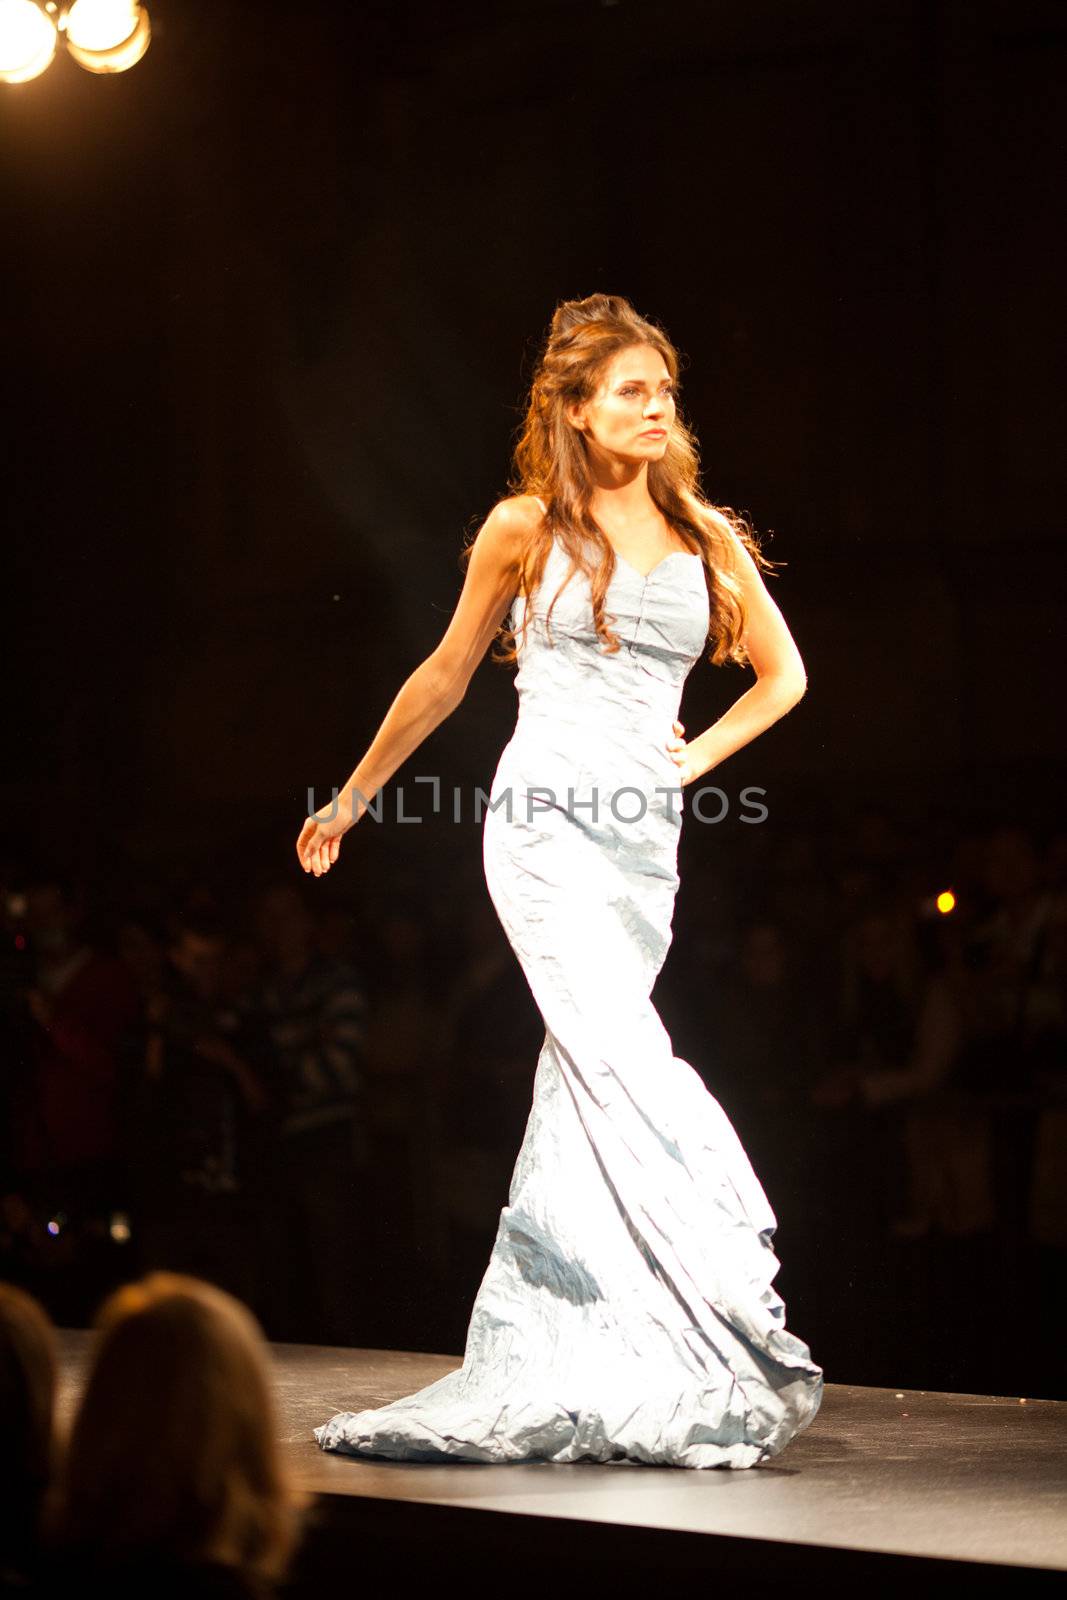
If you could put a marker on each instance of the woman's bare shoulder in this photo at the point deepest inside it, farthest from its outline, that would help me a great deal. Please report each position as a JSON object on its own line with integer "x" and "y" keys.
{"x": 519, "y": 513}
{"x": 507, "y": 530}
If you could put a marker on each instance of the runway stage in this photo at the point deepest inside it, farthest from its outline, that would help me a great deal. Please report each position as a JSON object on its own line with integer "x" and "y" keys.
{"x": 929, "y": 1490}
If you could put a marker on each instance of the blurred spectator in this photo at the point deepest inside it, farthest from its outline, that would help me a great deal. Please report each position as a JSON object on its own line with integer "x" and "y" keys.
{"x": 197, "y": 1089}
{"x": 338, "y": 933}
{"x": 764, "y": 1043}
{"x": 403, "y": 1024}
{"x": 946, "y": 1136}
{"x": 878, "y": 1005}
{"x": 1011, "y": 979}
{"x": 1048, "y": 1193}
{"x": 313, "y": 1006}
{"x": 27, "y": 1400}
{"x": 988, "y": 1031}
{"x": 403, "y": 1042}
{"x": 141, "y": 944}
{"x": 767, "y": 1037}
{"x": 1011, "y": 1001}
{"x": 874, "y": 1014}
{"x": 797, "y": 895}
{"x": 83, "y": 1001}
{"x": 896, "y": 1046}
{"x": 172, "y": 1483}
{"x": 17, "y": 1025}
{"x": 78, "y": 1006}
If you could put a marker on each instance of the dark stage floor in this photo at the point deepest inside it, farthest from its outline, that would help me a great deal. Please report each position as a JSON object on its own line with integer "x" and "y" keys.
{"x": 882, "y": 1488}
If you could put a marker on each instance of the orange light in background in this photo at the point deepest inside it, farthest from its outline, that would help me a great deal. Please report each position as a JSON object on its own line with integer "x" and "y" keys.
{"x": 101, "y": 35}
{"x": 946, "y": 902}
{"x": 107, "y": 35}
{"x": 119, "y": 1227}
{"x": 27, "y": 41}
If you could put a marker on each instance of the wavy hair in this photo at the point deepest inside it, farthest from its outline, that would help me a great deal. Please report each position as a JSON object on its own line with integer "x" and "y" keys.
{"x": 550, "y": 460}
{"x": 173, "y": 1451}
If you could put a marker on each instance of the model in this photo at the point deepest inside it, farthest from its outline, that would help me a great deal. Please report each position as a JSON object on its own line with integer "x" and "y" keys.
{"x": 627, "y": 1312}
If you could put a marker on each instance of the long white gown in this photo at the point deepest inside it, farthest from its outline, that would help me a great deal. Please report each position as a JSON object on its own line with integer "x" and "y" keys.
{"x": 627, "y": 1312}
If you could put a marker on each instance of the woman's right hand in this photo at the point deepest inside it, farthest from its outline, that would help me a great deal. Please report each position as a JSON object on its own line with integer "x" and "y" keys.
{"x": 319, "y": 843}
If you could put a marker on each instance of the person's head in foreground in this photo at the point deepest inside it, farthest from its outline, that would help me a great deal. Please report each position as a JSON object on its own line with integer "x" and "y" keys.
{"x": 27, "y": 1401}
{"x": 173, "y": 1459}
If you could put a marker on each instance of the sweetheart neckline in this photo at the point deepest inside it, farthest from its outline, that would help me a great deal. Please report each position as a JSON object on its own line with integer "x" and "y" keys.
{"x": 644, "y": 576}
{"x": 619, "y": 557}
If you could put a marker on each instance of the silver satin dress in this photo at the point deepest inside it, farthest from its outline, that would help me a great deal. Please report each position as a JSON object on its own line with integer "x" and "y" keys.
{"x": 627, "y": 1312}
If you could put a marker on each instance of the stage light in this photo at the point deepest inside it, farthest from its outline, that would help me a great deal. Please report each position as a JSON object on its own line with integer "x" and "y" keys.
{"x": 101, "y": 35}
{"x": 946, "y": 902}
{"x": 107, "y": 35}
{"x": 27, "y": 41}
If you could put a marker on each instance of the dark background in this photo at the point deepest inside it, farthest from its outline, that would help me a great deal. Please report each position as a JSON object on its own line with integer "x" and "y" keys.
{"x": 272, "y": 298}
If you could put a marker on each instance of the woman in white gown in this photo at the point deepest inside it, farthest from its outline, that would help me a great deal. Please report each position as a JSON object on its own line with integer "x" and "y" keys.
{"x": 627, "y": 1311}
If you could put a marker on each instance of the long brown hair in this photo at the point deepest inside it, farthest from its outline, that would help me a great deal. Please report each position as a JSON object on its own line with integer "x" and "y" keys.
{"x": 173, "y": 1452}
{"x": 550, "y": 460}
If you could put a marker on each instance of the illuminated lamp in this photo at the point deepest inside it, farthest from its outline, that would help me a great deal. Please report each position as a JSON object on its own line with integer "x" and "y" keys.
{"x": 107, "y": 35}
{"x": 27, "y": 41}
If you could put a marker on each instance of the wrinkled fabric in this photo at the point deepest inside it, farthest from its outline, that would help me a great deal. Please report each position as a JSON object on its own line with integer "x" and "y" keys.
{"x": 627, "y": 1312}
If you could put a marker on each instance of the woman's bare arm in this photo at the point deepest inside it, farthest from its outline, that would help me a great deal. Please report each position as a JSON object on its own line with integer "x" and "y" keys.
{"x": 780, "y": 678}
{"x": 438, "y": 684}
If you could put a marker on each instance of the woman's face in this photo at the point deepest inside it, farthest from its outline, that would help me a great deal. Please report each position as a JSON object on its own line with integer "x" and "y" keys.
{"x": 632, "y": 412}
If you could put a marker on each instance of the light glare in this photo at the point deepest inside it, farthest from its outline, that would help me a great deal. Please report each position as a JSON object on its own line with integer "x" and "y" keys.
{"x": 27, "y": 41}
{"x": 100, "y": 24}
{"x": 107, "y": 35}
